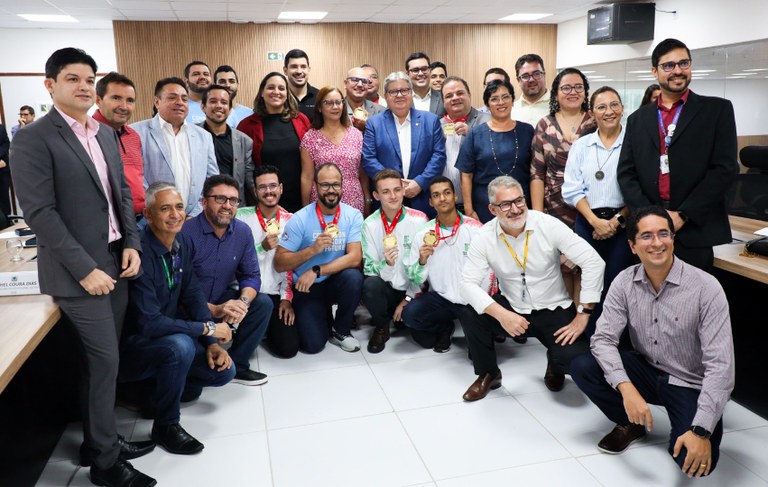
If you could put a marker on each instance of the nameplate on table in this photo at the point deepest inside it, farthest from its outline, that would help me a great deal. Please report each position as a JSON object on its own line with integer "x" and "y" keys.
{"x": 18, "y": 283}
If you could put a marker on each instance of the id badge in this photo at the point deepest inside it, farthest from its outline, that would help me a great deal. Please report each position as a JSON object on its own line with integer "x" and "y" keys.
{"x": 664, "y": 164}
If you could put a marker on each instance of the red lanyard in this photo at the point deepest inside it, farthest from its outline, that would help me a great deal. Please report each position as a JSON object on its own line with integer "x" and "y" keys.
{"x": 390, "y": 227}
{"x": 261, "y": 218}
{"x": 456, "y": 120}
{"x": 453, "y": 231}
{"x": 321, "y": 219}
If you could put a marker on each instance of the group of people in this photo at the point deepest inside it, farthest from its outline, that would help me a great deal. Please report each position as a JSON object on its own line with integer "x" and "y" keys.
{"x": 205, "y": 233}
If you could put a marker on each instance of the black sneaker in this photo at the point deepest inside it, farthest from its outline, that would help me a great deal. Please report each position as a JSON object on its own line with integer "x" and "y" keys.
{"x": 249, "y": 377}
{"x": 443, "y": 343}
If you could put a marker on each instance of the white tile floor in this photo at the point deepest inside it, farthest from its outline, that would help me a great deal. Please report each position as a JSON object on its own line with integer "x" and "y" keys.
{"x": 397, "y": 419}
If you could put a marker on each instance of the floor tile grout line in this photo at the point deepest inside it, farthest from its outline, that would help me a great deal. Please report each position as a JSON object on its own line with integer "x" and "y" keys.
{"x": 413, "y": 444}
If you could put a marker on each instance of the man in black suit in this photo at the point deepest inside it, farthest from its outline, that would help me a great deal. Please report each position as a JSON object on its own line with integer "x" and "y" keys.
{"x": 424, "y": 97}
{"x": 72, "y": 189}
{"x": 681, "y": 154}
{"x": 5, "y": 173}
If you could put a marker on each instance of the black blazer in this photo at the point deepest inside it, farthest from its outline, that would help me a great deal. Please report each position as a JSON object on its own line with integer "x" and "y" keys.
{"x": 64, "y": 202}
{"x": 703, "y": 165}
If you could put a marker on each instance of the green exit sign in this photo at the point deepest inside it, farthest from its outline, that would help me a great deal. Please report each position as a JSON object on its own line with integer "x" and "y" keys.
{"x": 274, "y": 56}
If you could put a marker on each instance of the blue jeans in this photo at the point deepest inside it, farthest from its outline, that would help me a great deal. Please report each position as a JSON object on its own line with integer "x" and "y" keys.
{"x": 429, "y": 315}
{"x": 653, "y": 384}
{"x": 343, "y": 288}
{"x": 178, "y": 365}
{"x": 251, "y": 330}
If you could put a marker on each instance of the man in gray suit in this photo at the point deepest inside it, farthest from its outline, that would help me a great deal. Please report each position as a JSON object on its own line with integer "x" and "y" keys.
{"x": 356, "y": 86}
{"x": 424, "y": 97}
{"x": 232, "y": 148}
{"x": 459, "y": 119}
{"x": 73, "y": 192}
{"x": 174, "y": 150}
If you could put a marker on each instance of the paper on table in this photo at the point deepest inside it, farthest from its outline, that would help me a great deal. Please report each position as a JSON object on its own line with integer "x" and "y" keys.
{"x": 10, "y": 234}
{"x": 763, "y": 232}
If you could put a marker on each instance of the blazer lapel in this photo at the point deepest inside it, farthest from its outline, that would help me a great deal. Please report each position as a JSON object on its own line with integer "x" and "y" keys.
{"x": 156, "y": 132}
{"x": 650, "y": 120}
{"x": 417, "y": 127}
{"x": 389, "y": 125}
{"x": 74, "y": 143}
{"x": 690, "y": 109}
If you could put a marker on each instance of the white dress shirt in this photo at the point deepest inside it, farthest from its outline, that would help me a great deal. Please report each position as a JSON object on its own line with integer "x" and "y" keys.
{"x": 404, "y": 136}
{"x": 420, "y": 103}
{"x": 544, "y": 287}
{"x": 588, "y": 155}
{"x": 181, "y": 159}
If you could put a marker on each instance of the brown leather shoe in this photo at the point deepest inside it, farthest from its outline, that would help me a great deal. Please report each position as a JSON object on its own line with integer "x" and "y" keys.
{"x": 620, "y": 438}
{"x": 479, "y": 389}
{"x": 378, "y": 339}
{"x": 554, "y": 381}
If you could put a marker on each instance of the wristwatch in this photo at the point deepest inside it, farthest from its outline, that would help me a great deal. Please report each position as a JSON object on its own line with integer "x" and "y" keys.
{"x": 700, "y": 432}
{"x": 245, "y": 300}
{"x": 316, "y": 270}
{"x": 582, "y": 309}
{"x": 210, "y": 328}
{"x": 408, "y": 299}
{"x": 622, "y": 221}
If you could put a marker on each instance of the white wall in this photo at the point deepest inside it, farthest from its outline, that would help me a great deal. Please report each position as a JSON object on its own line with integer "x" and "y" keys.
{"x": 26, "y": 50}
{"x": 698, "y": 23}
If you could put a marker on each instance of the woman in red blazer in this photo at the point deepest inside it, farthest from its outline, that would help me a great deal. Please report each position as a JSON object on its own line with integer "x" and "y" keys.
{"x": 277, "y": 128}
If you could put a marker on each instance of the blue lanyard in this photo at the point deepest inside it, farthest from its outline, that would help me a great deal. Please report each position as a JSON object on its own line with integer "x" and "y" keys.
{"x": 668, "y": 137}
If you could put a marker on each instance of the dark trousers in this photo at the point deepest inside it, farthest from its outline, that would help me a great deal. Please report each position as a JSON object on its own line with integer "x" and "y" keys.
{"x": 98, "y": 321}
{"x": 617, "y": 255}
{"x": 480, "y": 331}
{"x": 381, "y": 299}
{"x": 654, "y": 386}
{"x": 177, "y": 366}
{"x": 251, "y": 329}
{"x": 5, "y": 190}
{"x": 701, "y": 257}
{"x": 429, "y": 315}
{"x": 282, "y": 339}
{"x": 342, "y": 288}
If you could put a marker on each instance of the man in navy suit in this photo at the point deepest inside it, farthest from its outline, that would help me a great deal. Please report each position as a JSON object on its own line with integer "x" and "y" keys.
{"x": 174, "y": 149}
{"x": 407, "y": 140}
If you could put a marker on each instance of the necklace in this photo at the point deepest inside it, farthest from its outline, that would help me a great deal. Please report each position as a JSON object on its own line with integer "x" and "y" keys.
{"x": 599, "y": 175}
{"x": 572, "y": 126}
{"x": 493, "y": 152}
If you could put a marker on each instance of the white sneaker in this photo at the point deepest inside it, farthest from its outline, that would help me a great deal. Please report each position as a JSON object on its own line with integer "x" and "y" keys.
{"x": 348, "y": 343}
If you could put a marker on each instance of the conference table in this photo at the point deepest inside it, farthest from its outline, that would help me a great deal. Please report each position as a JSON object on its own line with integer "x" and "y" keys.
{"x": 24, "y": 320}
{"x": 730, "y": 257}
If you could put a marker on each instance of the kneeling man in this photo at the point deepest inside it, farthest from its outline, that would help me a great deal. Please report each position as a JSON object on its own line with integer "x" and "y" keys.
{"x": 678, "y": 321}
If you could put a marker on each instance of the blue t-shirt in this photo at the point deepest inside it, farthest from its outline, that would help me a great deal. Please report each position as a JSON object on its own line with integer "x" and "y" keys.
{"x": 238, "y": 114}
{"x": 303, "y": 228}
{"x": 196, "y": 114}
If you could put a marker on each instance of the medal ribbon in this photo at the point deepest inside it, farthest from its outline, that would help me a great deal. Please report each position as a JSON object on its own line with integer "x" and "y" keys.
{"x": 261, "y": 218}
{"x": 390, "y": 227}
{"x": 456, "y": 120}
{"x": 668, "y": 138}
{"x": 453, "y": 230}
{"x": 321, "y": 219}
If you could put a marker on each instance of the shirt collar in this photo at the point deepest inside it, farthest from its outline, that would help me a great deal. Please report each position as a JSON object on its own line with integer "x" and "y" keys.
{"x": 544, "y": 99}
{"x": 167, "y": 126}
{"x": 157, "y": 247}
{"x": 683, "y": 99}
{"x": 91, "y": 125}
{"x": 594, "y": 139}
{"x": 675, "y": 275}
{"x": 208, "y": 129}
{"x": 530, "y": 225}
{"x": 208, "y": 229}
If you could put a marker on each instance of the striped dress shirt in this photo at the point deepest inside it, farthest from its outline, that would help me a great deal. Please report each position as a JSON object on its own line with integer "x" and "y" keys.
{"x": 683, "y": 330}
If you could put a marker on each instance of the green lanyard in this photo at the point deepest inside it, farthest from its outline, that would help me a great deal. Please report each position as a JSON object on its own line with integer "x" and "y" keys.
{"x": 168, "y": 273}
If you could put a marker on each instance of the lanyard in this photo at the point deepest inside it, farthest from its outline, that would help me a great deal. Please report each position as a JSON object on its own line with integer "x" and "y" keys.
{"x": 514, "y": 256}
{"x": 390, "y": 227}
{"x": 168, "y": 272}
{"x": 264, "y": 223}
{"x": 321, "y": 219}
{"x": 672, "y": 127}
{"x": 453, "y": 230}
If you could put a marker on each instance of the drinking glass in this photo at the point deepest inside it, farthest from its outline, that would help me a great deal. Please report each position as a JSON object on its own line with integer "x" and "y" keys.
{"x": 14, "y": 247}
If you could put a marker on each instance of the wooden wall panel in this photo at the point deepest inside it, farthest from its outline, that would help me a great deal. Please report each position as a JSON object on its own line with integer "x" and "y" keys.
{"x": 148, "y": 51}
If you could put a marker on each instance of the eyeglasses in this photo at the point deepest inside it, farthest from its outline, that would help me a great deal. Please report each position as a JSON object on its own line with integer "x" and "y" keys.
{"x": 403, "y": 92}
{"x": 332, "y": 103}
{"x": 423, "y": 69}
{"x": 615, "y": 106}
{"x": 355, "y": 80}
{"x": 507, "y": 205}
{"x": 567, "y": 89}
{"x": 263, "y": 188}
{"x": 327, "y": 186}
{"x": 662, "y": 234}
{"x": 670, "y": 66}
{"x": 221, "y": 199}
{"x": 495, "y": 100}
{"x": 537, "y": 75}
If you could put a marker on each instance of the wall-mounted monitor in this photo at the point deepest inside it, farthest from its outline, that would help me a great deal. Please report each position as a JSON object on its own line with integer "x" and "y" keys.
{"x": 621, "y": 22}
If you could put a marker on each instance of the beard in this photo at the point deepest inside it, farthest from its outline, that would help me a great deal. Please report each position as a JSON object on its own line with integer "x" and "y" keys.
{"x": 668, "y": 86}
{"x": 324, "y": 199}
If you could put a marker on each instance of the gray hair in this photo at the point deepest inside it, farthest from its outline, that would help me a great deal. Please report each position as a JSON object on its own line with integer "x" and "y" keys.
{"x": 151, "y": 193}
{"x": 502, "y": 182}
{"x": 397, "y": 76}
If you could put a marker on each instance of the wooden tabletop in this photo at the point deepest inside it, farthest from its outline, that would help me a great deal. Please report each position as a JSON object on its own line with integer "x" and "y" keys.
{"x": 24, "y": 320}
{"x": 728, "y": 256}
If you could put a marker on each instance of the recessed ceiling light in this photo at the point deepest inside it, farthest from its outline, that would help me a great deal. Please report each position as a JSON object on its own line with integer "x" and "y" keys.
{"x": 295, "y": 15}
{"x": 756, "y": 69}
{"x": 642, "y": 71}
{"x": 698, "y": 71}
{"x": 744, "y": 74}
{"x": 735, "y": 77}
{"x": 48, "y": 18}
{"x": 523, "y": 17}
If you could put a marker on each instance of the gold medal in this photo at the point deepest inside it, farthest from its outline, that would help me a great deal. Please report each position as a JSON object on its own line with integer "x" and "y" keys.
{"x": 449, "y": 129}
{"x": 430, "y": 238}
{"x": 273, "y": 227}
{"x": 360, "y": 114}
{"x": 332, "y": 230}
{"x": 390, "y": 240}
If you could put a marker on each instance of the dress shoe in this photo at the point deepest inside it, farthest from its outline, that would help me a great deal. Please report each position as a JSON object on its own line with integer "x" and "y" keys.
{"x": 378, "y": 339}
{"x": 174, "y": 439}
{"x": 128, "y": 450}
{"x": 479, "y": 389}
{"x": 620, "y": 438}
{"x": 499, "y": 339}
{"x": 399, "y": 325}
{"x": 520, "y": 339}
{"x": 121, "y": 474}
{"x": 554, "y": 381}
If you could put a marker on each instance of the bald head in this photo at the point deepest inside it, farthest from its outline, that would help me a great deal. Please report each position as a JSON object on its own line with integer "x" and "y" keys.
{"x": 356, "y": 84}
